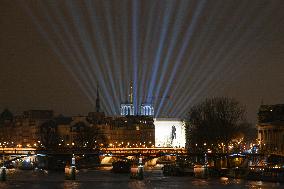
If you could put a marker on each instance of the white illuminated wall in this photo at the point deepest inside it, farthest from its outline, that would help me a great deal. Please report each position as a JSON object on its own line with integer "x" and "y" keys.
{"x": 169, "y": 132}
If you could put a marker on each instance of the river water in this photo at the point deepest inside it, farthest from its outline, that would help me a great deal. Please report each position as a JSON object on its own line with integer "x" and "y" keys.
{"x": 106, "y": 179}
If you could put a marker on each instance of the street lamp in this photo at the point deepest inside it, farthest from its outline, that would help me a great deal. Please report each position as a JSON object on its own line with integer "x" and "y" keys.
{"x": 3, "y": 157}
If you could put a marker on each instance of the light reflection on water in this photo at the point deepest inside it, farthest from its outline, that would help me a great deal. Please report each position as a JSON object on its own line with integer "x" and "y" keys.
{"x": 71, "y": 184}
{"x": 106, "y": 179}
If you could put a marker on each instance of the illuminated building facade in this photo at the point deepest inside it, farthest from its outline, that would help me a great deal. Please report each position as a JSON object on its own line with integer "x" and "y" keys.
{"x": 25, "y": 129}
{"x": 134, "y": 131}
{"x": 169, "y": 132}
{"x": 147, "y": 109}
{"x": 128, "y": 109}
{"x": 126, "y": 131}
{"x": 270, "y": 128}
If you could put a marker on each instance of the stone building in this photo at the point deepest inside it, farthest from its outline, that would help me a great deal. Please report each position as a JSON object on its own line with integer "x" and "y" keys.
{"x": 24, "y": 130}
{"x": 41, "y": 128}
{"x": 129, "y": 131}
{"x": 270, "y": 128}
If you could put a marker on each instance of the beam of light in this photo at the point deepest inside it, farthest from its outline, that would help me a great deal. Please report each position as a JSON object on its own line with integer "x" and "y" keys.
{"x": 185, "y": 43}
{"x": 67, "y": 47}
{"x": 59, "y": 54}
{"x": 173, "y": 40}
{"x": 117, "y": 29}
{"x": 88, "y": 48}
{"x": 149, "y": 31}
{"x": 102, "y": 77}
{"x": 209, "y": 72}
{"x": 90, "y": 61}
{"x": 157, "y": 60}
{"x": 80, "y": 55}
{"x": 232, "y": 69}
{"x": 250, "y": 51}
{"x": 135, "y": 12}
{"x": 107, "y": 8}
{"x": 145, "y": 54}
{"x": 71, "y": 44}
{"x": 104, "y": 48}
{"x": 95, "y": 63}
{"x": 80, "y": 58}
{"x": 91, "y": 50}
{"x": 125, "y": 52}
{"x": 85, "y": 40}
{"x": 113, "y": 99}
{"x": 107, "y": 46}
{"x": 214, "y": 64}
{"x": 154, "y": 29}
{"x": 194, "y": 69}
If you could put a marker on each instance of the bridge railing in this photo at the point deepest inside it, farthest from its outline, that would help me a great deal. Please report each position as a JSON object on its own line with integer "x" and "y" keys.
{"x": 149, "y": 151}
{"x": 17, "y": 150}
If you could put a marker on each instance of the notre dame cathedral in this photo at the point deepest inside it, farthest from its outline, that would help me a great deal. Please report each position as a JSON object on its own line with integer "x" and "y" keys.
{"x": 127, "y": 108}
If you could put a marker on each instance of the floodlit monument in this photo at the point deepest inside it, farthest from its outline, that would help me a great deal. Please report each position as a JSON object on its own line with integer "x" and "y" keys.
{"x": 169, "y": 132}
{"x": 127, "y": 108}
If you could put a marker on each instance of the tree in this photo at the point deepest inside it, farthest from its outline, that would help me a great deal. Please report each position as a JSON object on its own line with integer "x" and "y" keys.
{"x": 6, "y": 116}
{"x": 214, "y": 122}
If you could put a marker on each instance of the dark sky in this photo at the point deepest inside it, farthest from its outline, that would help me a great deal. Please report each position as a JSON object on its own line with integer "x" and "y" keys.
{"x": 54, "y": 53}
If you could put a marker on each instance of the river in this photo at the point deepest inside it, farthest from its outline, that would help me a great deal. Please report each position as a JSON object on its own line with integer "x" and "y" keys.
{"x": 106, "y": 179}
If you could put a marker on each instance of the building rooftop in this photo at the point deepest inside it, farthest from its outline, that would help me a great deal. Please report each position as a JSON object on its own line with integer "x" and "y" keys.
{"x": 271, "y": 113}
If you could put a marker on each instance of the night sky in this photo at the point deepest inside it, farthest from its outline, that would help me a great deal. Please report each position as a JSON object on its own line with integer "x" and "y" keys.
{"x": 54, "y": 53}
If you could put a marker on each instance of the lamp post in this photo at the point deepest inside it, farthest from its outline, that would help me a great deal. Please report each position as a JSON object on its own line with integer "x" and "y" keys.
{"x": 70, "y": 172}
{"x": 3, "y": 158}
{"x": 3, "y": 168}
{"x": 140, "y": 169}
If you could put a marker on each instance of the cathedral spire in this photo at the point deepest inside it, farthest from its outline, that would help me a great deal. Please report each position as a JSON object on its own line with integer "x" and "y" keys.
{"x": 131, "y": 93}
{"x": 127, "y": 108}
{"x": 98, "y": 107}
